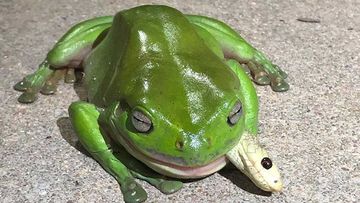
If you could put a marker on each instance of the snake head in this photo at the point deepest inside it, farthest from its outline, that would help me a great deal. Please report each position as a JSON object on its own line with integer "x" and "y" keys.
{"x": 252, "y": 159}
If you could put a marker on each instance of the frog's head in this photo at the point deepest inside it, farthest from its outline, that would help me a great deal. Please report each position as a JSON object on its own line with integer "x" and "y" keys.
{"x": 177, "y": 150}
{"x": 180, "y": 117}
{"x": 182, "y": 120}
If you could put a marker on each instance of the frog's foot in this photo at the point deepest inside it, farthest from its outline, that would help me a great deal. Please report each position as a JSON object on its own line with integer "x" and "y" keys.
{"x": 263, "y": 72}
{"x": 132, "y": 191}
{"x": 139, "y": 170}
{"x": 165, "y": 186}
{"x": 32, "y": 83}
{"x": 44, "y": 80}
{"x": 51, "y": 84}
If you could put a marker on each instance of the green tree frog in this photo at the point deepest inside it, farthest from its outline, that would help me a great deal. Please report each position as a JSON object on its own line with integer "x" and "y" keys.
{"x": 165, "y": 90}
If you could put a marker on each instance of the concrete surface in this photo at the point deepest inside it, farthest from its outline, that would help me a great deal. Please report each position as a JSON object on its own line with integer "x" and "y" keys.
{"x": 311, "y": 131}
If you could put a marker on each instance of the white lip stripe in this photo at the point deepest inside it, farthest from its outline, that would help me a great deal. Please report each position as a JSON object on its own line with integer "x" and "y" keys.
{"x": 197, "y": 172}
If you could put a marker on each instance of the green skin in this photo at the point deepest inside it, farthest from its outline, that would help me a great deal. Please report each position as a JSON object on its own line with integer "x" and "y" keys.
{"x": 185, "y": 74}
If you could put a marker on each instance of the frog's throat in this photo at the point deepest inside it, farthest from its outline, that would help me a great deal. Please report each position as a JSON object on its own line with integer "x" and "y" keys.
{"x": 247, "y": 156}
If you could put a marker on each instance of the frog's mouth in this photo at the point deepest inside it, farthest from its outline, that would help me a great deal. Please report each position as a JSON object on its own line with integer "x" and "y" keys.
{"x": 247, "y": 156}
{"x": 162, "y": 166}
{"x": 176, "y": 171}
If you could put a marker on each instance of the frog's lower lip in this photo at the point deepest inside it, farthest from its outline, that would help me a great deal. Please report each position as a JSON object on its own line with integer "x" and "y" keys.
{"x": 172, "y": 170}
{"x": 184, "y": 171}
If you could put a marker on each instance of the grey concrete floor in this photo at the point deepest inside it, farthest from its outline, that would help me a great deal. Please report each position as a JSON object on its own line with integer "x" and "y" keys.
{"x": 312, "y": 131}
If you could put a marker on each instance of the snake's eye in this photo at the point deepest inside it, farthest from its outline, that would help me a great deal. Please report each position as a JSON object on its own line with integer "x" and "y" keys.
{"x": 141, "y": 122}
{"x": 266, "y": 163}
{"x": 235, "y": 114}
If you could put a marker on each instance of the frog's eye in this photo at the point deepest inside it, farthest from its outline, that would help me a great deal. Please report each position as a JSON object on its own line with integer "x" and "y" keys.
{"x": 235, "y": 114}
{"x": 141, "y": 122}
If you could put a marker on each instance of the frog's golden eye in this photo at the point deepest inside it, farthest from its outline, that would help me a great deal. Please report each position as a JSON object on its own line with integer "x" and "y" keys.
{"x": 141, "y": 122}
{"x": 235, "y": 114}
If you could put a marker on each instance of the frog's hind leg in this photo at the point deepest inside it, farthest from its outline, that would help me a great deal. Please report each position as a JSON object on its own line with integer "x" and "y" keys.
{"x": 235, "y": 47}
{"x": 68, "y": 54}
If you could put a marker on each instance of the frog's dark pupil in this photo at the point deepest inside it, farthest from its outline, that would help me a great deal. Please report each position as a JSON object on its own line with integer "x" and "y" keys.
{"x": 266, "y": 163}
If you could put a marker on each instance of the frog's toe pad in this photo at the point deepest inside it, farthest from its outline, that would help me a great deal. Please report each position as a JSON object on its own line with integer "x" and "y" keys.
{"x": 70, "y": 76}
{"x": 27, "y": 97}
{"x": 48, "y": 88}
{"x": 261, "y": 79}
{"x": 21, "y": 86}
{"x": 282, "y": 73}
{"x": 279, "y": 85}
{"x": 262, "y": 75}
{"x": 133, "y": 192}
{"x": 169, "y": 187}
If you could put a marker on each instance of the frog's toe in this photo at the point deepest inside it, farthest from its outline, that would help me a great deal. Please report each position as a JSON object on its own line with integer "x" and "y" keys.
{"x": 259, "y": 75}
{"x": 48, "y": 88}
{"x": 27, "y": 97}
{"x": 169, "y": 187}
{"x": 70, "y": 76}
{"x": 278, "y": 84}
{"x": 277, "y": 80}
{"x": 268, "y": 74}
{"x": 261, "y": 78}
{"x": 133, "y": 192}
{"x": 281, "y": 72}
{"x": 21, "y": 86}
{"x": 245, "y": 67}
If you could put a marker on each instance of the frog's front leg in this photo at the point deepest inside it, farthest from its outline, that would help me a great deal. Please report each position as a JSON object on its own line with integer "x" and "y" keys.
{"x": 235, "y": 47}
{"x": 84, "y": 117}
{"x": 66, "y": 55}
{"x": 165, "y": 186}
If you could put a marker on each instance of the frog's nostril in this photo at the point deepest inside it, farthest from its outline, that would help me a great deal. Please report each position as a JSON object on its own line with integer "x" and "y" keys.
{"x": 179, "y": 144}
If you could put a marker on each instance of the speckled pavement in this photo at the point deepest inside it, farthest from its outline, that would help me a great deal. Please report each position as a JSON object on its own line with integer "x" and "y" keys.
{"x": 312, "y": 131}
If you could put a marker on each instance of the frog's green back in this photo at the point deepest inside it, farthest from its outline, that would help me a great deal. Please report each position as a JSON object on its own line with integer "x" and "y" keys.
{"x": 159, "y": 62}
